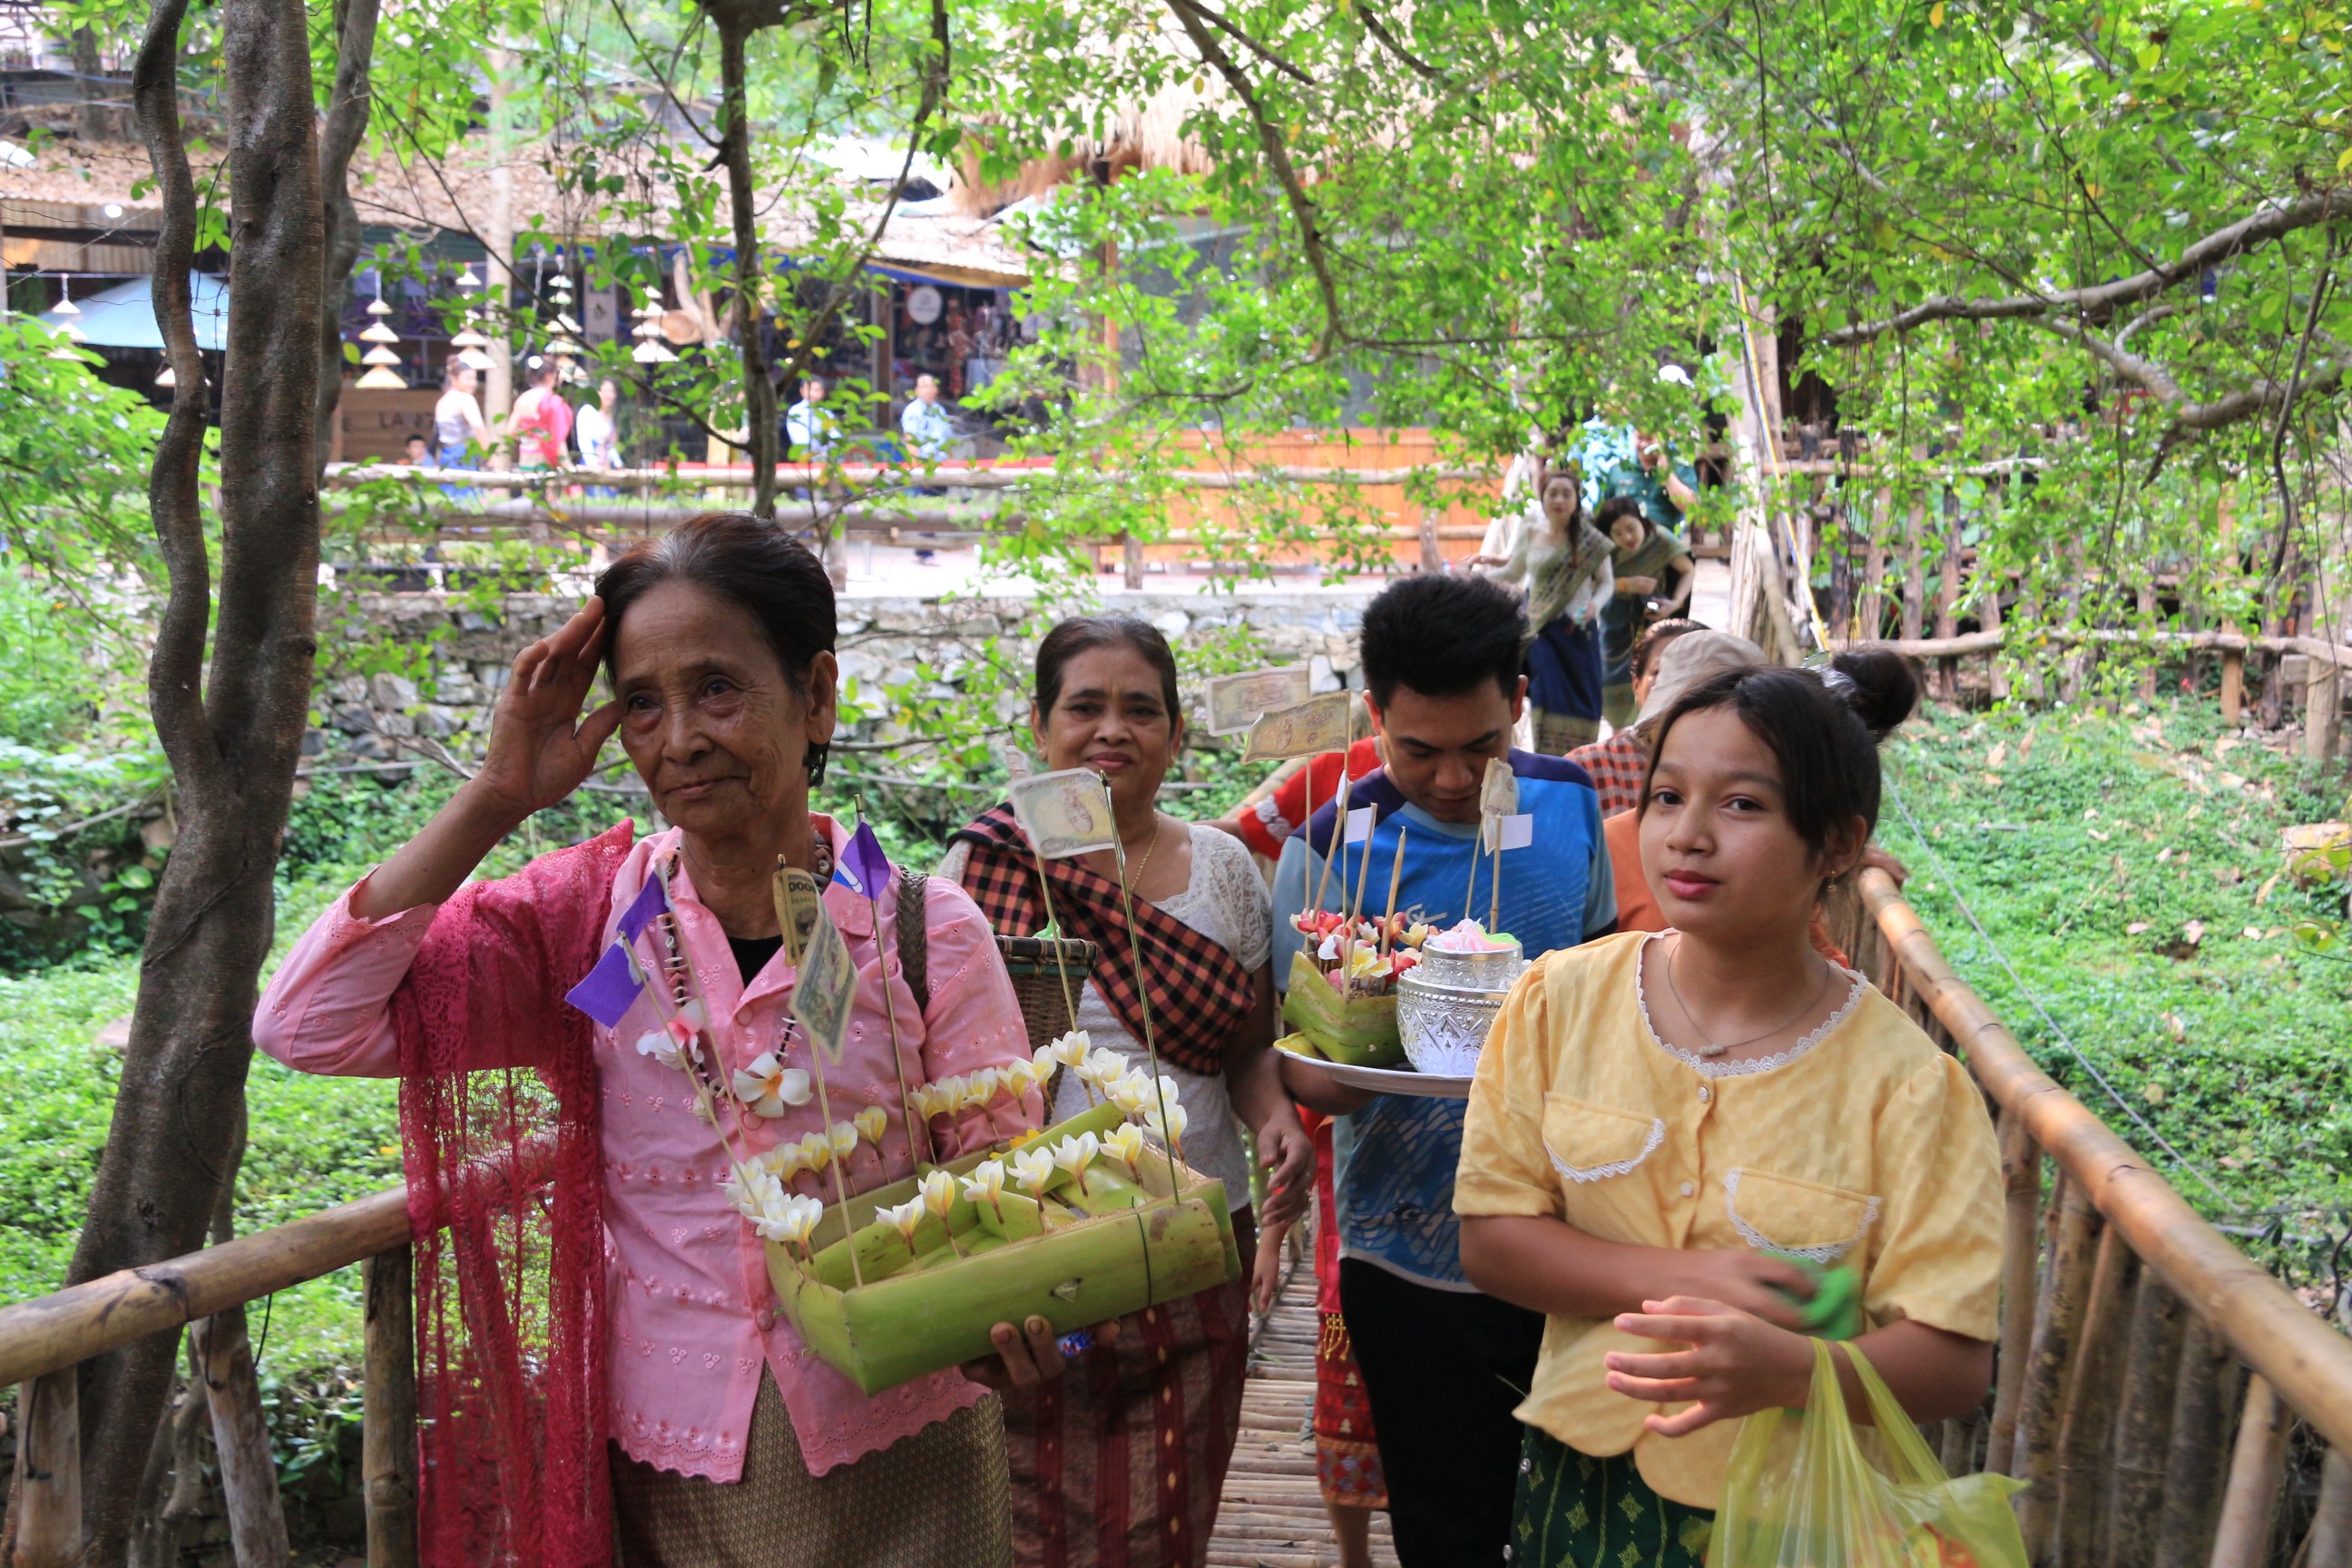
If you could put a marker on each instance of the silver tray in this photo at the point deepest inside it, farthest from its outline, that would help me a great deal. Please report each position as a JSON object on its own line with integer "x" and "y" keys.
{"x": 1387, "y": 1080}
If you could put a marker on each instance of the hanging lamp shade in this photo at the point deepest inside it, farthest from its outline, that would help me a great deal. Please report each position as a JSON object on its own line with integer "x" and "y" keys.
{"x": 653, "y": 351}
{"x": 474, "y": 358}
{"x": 377, "y": 333}
{"x": 466, "y": 280}
{"x": 566, "y": 325}
{"x": 376, "y": 307}
{"x": 564, "y": 348}
{"x": 166, "y": 378}
{"x": 379, "y": 356}
{"x": 64, "y": 306}
{"x": 469, "y": 339}
{"x": 381, "y": 380}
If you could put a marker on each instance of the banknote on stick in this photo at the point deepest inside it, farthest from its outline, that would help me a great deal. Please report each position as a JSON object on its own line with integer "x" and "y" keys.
{"x": 1320, "y": 724}
{"x": 1499, "y": 792}
{"x": 825, "y": 987}
{"x": 1232, "y": 703}
{"x": 1064, "y": 813}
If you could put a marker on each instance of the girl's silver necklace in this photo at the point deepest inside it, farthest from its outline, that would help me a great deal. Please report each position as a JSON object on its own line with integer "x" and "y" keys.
{"x": 1712, "y": 1048}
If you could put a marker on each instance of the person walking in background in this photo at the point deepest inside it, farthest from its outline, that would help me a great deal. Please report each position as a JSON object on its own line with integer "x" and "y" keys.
{"x": 596, "y": 429}
{"x": 1654, "y": 576}
{"x": 930, "y": 436}
{"x": 1122, "y": 1461}
{"x": 1442, "y": 1364}
{"x": 1562, "y": 566}
{"x": 540, "y": 424}
{"x": 1662, "y": 1127}
{"x": 811, "y": 432}
{"x": 1617, "y": 459}
{"x": 1620, "y": 763}
{"x": 460, "y": 438}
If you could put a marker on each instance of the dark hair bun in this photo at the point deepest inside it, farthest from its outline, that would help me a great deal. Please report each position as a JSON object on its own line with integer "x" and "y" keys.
{"x": 1878, "y": 686}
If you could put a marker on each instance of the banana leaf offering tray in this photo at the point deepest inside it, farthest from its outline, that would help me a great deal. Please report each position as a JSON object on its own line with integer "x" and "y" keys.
{"x": 1086, "y": 1222}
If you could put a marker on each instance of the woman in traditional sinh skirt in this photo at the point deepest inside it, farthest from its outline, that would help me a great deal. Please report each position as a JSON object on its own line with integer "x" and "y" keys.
{"x": 1121, "y": 1461}
{"x": 1347, "y": 1450}
{"x": 600, "y": 1345}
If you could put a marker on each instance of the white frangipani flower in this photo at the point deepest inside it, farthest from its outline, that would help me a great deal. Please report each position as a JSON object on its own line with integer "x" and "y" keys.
{"x": 657, "y": 1045}
{"x": 843, "y": 1137}
{"x": 1033, "y": 1168}
{"x": 938, "y": 1192}
{"x": 817, "y": 1151}
{"x": 785, "y": 1161}
{"x": 793, "y": 1221}
{"x": 1074, "y": 1154}
{"x": 980, "y": 1087}
{"x": 768, "y": 1086}
{"x": 1069, "y": 1050}
{"x": 906, "y": 1218}
{"x": 871, "y": 1123}
{"x": 986, "y": 1185}
{"x": 1172, "y": 1132}
{"x": 1125, "y": 1144}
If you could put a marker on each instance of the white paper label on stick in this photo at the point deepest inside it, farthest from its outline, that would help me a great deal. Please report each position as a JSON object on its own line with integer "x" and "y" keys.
{"x": 1064, "y": 813}
{"x": 1519, "y": 831}
{"x": 1359, "y": 824}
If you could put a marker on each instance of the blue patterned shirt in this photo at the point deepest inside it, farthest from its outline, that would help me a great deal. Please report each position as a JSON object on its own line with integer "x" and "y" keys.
{"x": 1393, "y": 1160}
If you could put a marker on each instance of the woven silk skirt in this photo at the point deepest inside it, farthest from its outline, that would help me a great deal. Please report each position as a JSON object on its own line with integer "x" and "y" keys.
{"x": 1120, "y": 1461}
{"x": 937, "y": 1500}
{"x": 1346, "y": 1450}
{"x": 1574, "y": 1511}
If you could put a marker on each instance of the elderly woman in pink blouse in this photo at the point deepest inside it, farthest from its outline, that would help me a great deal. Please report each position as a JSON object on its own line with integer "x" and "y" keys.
{"x": 621, "y": 1298}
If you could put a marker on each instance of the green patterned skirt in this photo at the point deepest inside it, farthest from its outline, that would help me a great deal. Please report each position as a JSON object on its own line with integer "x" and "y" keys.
{"x": 1574, "y": 1511}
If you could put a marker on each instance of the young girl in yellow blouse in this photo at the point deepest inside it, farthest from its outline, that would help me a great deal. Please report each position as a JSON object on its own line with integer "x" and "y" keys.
{"x": 1666, "y": 1126}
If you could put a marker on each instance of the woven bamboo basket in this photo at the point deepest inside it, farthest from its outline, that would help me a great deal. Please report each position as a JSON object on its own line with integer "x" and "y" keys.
{"x": 938, "y": 1312}
{"x": 1039, "y": 965}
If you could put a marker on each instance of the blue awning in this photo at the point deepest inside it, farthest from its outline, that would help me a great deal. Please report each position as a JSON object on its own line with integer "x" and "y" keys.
{"x": 123, "y": 317}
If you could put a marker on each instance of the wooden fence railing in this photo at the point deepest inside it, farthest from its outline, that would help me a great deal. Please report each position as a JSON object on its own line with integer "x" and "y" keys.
{"x": 2155, "y": 1386}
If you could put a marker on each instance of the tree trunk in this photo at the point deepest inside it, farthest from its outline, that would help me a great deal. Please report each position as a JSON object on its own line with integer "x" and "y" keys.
{"x": 96, "y": 117}
{"x": 230, "y": 731}
{"x": 750, "y": 278}
{"x": 339, "y": 141}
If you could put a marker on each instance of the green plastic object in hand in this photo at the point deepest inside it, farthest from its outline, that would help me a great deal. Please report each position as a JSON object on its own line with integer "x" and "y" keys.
{"x": 1803, "y": 1490}
{"x": 1834, "y": 1311}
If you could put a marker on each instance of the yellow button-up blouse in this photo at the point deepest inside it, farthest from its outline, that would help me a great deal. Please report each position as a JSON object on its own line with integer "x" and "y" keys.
{"x": 1862, "y": 1144}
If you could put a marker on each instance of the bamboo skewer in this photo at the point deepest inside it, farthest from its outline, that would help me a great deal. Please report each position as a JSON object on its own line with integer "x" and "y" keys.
{"x": 1396, "y": 876}
{"x": 1143, "y": 1000}
{"x": 1339, "y": 847}
{"x": 897, "y": 1061}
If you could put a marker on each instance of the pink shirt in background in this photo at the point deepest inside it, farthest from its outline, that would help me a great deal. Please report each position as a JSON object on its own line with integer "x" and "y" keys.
{"x": 693, "y": 1315}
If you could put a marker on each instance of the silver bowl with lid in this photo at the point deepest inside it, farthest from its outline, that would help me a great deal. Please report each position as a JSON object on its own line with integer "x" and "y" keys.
{"x": 1447, "y": 1003}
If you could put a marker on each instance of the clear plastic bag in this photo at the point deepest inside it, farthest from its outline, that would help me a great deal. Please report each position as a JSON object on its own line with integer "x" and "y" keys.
{"x": 1805, "y": 1489}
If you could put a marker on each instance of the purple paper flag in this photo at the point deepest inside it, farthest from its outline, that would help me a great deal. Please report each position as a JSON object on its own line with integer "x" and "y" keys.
{"x": 863, "y": 868}
{"x": 609, "y": 989}
{"x": 650, "y": 901}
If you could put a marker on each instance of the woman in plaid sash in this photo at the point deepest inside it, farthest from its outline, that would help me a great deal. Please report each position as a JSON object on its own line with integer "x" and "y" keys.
{"x": 1122, "y": 1461}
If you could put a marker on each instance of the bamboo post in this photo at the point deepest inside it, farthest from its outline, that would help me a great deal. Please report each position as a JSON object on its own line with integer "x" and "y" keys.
{"x": 1915, "y": 570}
{"x": 1130, "y": 554}
{"x": 1869, "y": 609}
{"x": 388, "y": 1420}
{"x": 2146, "y": 602}
{"x": 1433, "y": 559}
{"x": 45, "y": 1517}
{"x": 248, "y": 1475}
{"x": 2257, "y": 1475}
{"x": 2330, "y": 1544}
{"x": 1948, "y": 596}
{"x": 2144, "y": 1425}
{"x": 2057, "y": 1334}
{"x": 2020, "y": 1165}
{"x": 1989, "y": 615}
{"x": 2202, "y": 1406}
{"x": 2233, "y": 660}
{"x": 2322, "y": 704}
{"x": 2086, "y": 1434}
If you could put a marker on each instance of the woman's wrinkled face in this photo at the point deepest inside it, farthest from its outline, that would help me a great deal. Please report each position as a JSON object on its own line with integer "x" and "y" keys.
{"x": 1717, "y": 847}
{"x": 716, "y": 728}
{"x": 1112, "y": 716}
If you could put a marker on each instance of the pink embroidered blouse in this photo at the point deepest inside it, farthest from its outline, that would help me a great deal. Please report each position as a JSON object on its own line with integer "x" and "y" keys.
{"x": 693, "y": 1315}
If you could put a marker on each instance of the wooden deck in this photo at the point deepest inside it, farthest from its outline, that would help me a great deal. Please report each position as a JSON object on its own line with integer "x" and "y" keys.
{"x": 1272, "y": 1516}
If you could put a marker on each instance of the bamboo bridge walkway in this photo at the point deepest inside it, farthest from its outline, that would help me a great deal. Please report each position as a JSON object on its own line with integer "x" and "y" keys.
{"x": 1271, "y": 1512}
{"x": 2169, "y": 1403}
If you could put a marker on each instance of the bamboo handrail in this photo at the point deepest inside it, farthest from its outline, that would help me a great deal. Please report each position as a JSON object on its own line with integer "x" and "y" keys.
{"x": 1994, "y": 640}
{"x": 893, "y": 476}
{"x": 56, "y": 1331}
{"x": 2297, "y": 1353}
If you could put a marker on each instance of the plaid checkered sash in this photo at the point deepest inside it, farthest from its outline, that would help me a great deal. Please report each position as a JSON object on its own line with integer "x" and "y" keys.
{"x": 1200, "y": 992}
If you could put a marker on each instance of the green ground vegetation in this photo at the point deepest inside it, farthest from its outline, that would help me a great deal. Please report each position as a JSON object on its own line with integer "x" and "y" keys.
{"x": 2130, "y": 868}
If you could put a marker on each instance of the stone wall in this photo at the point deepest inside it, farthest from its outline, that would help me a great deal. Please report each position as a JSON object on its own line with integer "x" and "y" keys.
{"x": 931, "y": 644}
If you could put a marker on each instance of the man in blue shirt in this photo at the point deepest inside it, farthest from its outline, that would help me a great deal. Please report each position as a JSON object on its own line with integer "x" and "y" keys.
{"x": 1443, "y": 1365}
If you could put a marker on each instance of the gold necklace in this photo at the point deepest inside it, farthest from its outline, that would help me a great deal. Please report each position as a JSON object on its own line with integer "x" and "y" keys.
{"x": 1136, "y": 876}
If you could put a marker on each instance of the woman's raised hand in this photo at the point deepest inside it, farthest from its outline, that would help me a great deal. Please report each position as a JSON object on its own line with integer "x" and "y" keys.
{"x": 541, "y": 748}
